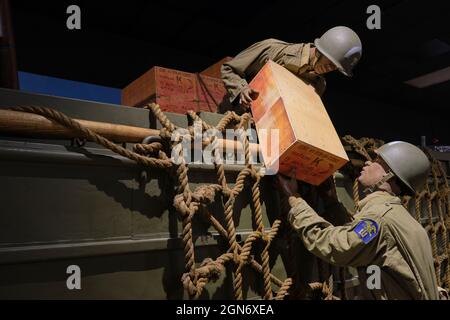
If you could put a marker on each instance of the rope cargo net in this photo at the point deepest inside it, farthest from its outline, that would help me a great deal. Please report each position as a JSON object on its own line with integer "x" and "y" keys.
{"x": 431, "y": 208}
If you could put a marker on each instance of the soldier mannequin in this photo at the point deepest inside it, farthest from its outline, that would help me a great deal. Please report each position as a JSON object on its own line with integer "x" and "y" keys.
{"x": 383, "y": 233}
{"x": 339, "y": 48}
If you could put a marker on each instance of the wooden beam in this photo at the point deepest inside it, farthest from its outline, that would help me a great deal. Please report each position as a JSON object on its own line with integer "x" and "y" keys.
{"x": 36, "y": 126}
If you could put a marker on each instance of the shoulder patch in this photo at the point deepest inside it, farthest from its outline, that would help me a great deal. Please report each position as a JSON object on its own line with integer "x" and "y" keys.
{"x": 367, "y": 229}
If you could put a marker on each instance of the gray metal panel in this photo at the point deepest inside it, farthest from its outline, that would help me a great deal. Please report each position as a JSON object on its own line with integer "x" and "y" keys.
{"x": 65, "y": 205}
{"x": 75, "y": 206}
{"x": 94, "y": 111}
{"x": 81, "y": 109}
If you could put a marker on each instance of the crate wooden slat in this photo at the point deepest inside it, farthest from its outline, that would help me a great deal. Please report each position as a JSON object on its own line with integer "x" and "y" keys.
{"x": 309, "y": 147}
{"x": 175, "y": 91}
{"x": 214, "y": 70}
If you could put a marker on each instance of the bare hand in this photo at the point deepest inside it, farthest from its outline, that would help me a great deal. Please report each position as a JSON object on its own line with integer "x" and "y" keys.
{"x": 247, "y": 96}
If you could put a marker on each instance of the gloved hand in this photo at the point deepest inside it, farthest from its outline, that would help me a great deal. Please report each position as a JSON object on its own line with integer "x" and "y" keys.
{"x": 246, "y": 96}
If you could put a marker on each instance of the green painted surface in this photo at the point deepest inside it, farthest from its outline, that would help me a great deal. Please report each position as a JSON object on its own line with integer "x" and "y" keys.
{"x": 118, "y": 225}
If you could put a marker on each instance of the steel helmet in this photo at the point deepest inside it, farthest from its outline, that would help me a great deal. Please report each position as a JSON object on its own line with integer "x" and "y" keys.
{"x": 342, "y": 46}
{"x": 407, "y": 162}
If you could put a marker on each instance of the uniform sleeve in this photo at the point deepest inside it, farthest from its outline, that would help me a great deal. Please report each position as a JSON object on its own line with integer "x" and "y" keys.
{"x": 234, "y": 71}
{"x": 296, "y": 58}
{"x": 346, "y": 245}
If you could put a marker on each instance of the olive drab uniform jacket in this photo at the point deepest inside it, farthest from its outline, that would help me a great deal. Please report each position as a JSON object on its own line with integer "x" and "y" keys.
{"x": 384, "y": 234}
{"x": 295, "y": 57}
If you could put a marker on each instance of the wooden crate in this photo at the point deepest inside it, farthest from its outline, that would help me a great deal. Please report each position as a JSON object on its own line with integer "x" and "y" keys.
{"x": 309, "y": 147}
{"x": 217, "y": 92}
{"x": 175, "y": 91}
{"x": 214, "y": 70}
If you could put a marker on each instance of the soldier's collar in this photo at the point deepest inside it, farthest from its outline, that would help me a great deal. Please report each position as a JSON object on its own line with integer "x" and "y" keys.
{"x": 378, "y": 197}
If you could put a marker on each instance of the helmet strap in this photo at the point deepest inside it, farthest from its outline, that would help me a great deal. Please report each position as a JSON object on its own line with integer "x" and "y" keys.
{"x": 377, "y": 185}
{"x": 313, "y": 59}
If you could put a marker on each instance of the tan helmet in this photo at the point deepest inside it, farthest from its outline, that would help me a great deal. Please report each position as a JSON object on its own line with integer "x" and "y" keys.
{"x": 407, "y": 162}
{"x": 342, "y": 46}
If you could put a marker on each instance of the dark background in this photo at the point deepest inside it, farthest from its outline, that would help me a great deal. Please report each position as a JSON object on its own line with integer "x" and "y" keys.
{"x": 120, "y": 40}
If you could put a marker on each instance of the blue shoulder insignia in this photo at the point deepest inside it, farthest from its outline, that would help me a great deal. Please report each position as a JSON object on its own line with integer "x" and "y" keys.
{"x": 367, "y": 229}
